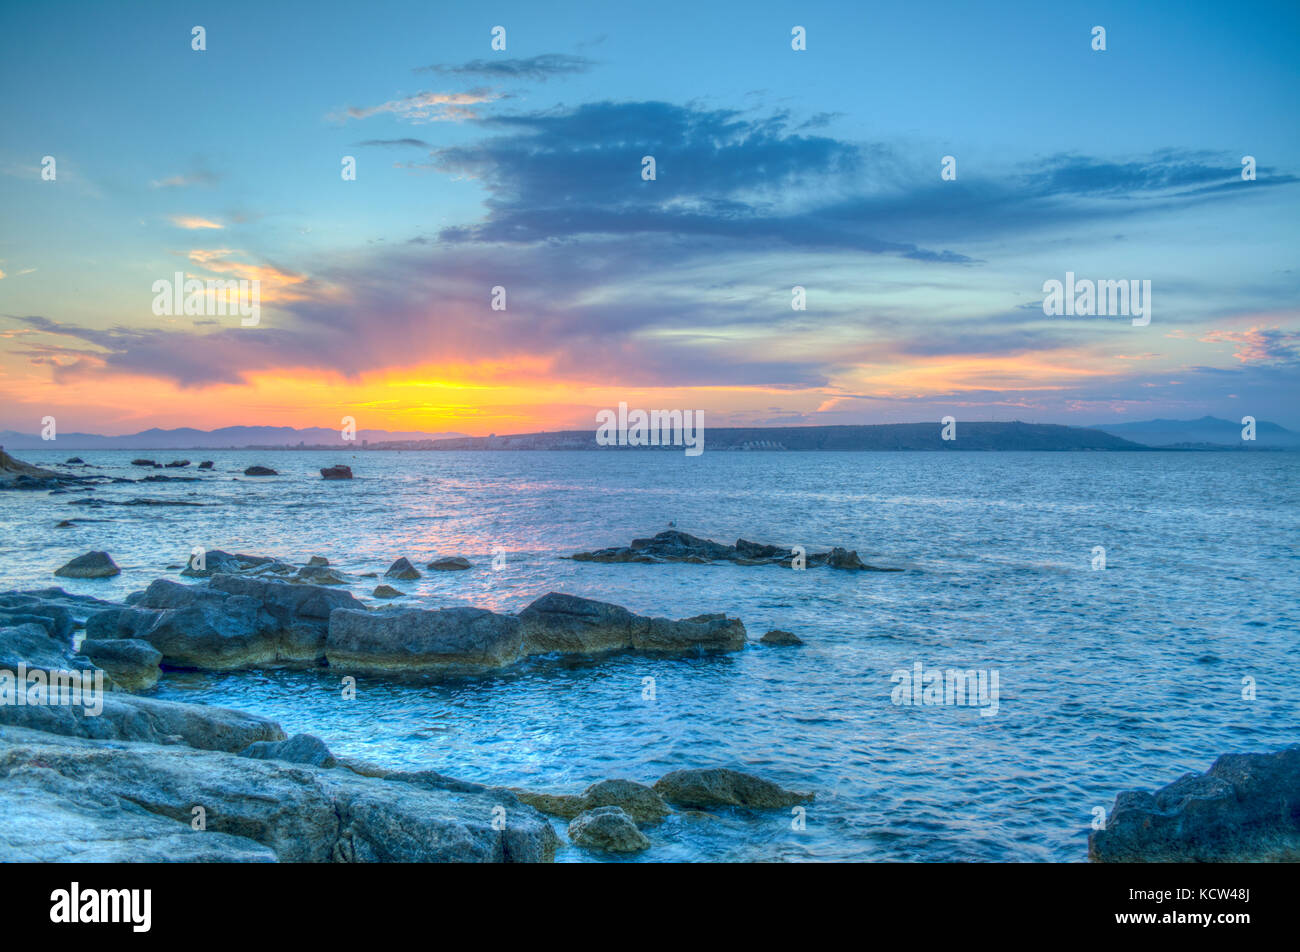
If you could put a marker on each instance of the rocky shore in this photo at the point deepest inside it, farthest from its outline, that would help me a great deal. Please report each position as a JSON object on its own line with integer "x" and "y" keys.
{"x": 134, "y": 778}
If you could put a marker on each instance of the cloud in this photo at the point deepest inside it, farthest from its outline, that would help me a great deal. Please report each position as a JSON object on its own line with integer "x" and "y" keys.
{"x": 396, "y": 143}
{"x": 538, "y": 68}
{"x": 194, "y": 223}
{"x": 198, "y": 177}
{"x": 427, "y": 107}
{"x": 1259, "y": 344}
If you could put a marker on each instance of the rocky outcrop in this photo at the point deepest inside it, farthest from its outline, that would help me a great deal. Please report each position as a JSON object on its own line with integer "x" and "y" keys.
{"x": 674, "y": 546}
{"x": 608, "y": 829}
{"x": 1245, "y": 808}
{"x": 779, "y": 637}
{"x": 131, "y": 663}
{"x": 567, "y": 624}
{"x": 15, "y": 474}
{"x": 336, "y": 472}
{"x": 701, "y": 789}
{"x": 415, "y": 641}
{"x": 206, "y": 464}
{"x": 90, "y": 565}
{"x": 294, "y": 812}
{"x": 453, "y": 563}
{"x": 260, "y": 471}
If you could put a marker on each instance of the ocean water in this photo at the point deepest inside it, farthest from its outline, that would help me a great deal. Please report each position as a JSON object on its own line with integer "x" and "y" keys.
{"x": 1109, "y": 679}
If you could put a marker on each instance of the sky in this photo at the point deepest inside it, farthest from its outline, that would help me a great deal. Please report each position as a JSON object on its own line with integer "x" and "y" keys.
{"x": 521, "y": 168}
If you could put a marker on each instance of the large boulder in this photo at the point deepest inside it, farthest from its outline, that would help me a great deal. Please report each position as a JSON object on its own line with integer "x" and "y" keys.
{"x": 217, "y": 562}
{"x": 1244, "y": 809}
{"x": 451, "y": 563}
{"x": 90, "y": 565}
{"x": 301, "y": 612}
{"x": 298, "y": 749}
{"x": 701, "y": 789}
{"x": 198, "y": 627}
{"x": 402, "y": 570}
{"x": 336, "y": 472}
{"x": 608, "y": 829}
{"x": 32, "y": 644}
{"x": 567, "y": 624}
{"x": 260, "y": 471}
{"x": 415, "y": 641}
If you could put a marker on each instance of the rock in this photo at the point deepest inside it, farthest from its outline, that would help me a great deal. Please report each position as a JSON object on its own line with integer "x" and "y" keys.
{"x": 215, "y": 562}
{"x": 17, "y": 608}
{"x": 129, "y": 717}
{"x": 1244, "y": 809}
{"x": 402, "y": 570}
{"x": 320, "y": 575}
{"x": 675, "y": 546}
{"x": 206, "y": 464}
{"x": 637, "y": 800}
{"x": 718, "y": 787}
{"x": 779, "y": 637}
{"x": 31, "y": 643}
{"x": 90, "y": 565}
{"x": 450, "y": 564}
{"x": 75, "y": 460}
{"x": 298, "y": 749}
{"x": 416, "y": 641}
{"x": 318, "y": 560}
{"x": 567, "y": 624}
{"x": 608, "y": 829}
{"x": 65, "y": 524}
{"x": 299, "y": 812}
{"x": 386, "y": 591}
{"x": 336, "y": 472}
{"x": 145, "y": 462}
{"x": 130, "y": 662}
{"x": 178, "y": 463}
{"x": 260, "y": 471}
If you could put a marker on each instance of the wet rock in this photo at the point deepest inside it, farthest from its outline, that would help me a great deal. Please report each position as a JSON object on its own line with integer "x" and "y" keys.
{"x": 719, "y": 787}
{"x": 780, "y": 637}
{"x": 338, "y": 471}
{"x": 75, "y": 460}
{"x": 206, "y": 464}
{"x": 386, "y": 591}
{"x": 31, "y": 643}
{"x": 260, "y": 471}
{"x": 320, "y": 575}
{"x": 402, "y": 570}
{"x": 217, "y": 562}
{"x": 318, "y": 560}
{"x": 298, "y": 749}
{"x": 146, "y": 462}
{"x": 608, "y": 829}
{"x": 449, "y": 564}
{"x": 1244, "y": 809}
{"x": 178, "y": 463}
{"x": 675, "y": 546}
{"x": 65, "y": 524}
{"x": 449, "y": 640}
{"x": 130, "y": 662}
{"x": 567, "y": 624}
{"x": 17, "y": 608}
{"x": 90, "y": 565}
{"x": 637, "y": 800}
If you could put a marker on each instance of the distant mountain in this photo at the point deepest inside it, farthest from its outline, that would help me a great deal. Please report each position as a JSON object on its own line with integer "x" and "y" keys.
{"x": 887, "y": 436}
{"x": 186, "y": 438}
{"x": 1206, "y": 433}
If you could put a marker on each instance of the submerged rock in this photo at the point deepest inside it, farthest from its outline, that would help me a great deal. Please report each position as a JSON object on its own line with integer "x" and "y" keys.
{"x": 701, "y": 789}
{"x": 260, "y": 471}
{"x": 675, "y": 546}
{"x": 130, "y": 662}
{"x": 608, "y": 829}
{"x": 402, "y": 570}
{"x": 90, "y": 565}
{"x": 336, "y": 472}
{"x": 780, "y": 637}
{"x": 1244, "y": 809}
{"x": 449, "y": 564}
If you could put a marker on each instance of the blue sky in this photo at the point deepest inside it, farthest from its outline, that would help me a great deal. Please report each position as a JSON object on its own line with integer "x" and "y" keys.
{"x": 520, "y": 168}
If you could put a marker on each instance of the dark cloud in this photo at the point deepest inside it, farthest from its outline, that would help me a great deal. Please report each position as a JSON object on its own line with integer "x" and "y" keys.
{"x": 538, "y": 68}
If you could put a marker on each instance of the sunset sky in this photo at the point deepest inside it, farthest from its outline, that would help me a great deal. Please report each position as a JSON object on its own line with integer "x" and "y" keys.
{"x": 521, "y": 168}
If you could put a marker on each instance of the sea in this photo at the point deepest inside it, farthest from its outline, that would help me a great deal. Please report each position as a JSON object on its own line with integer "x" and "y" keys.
{"x": 1140, "y": 611}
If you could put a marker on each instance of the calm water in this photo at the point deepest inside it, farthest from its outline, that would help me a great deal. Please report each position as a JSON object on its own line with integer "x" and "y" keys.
{"x": 1126, "y": 677}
